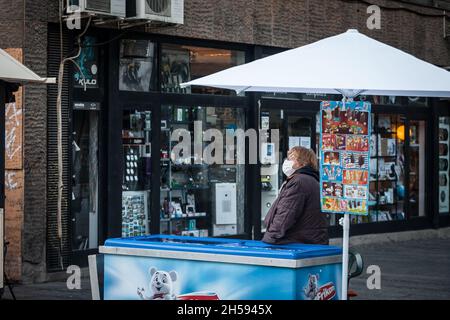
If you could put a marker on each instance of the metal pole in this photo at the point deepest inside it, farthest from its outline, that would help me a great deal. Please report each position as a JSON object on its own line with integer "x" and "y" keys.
{"x": 345, "y": 244}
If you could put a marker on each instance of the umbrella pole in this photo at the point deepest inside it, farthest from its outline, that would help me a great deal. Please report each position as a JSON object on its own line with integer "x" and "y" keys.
{"x": 345, "y": 245}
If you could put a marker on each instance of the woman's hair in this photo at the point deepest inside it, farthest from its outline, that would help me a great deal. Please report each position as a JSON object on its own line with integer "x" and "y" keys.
{"x": 304, "y": 156}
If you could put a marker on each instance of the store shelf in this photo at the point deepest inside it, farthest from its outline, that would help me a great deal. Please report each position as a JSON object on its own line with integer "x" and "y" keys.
{"x": 181, "y": 122}
{"x": 188, "y": 218}
{"x": 189, "y": 188}
{"x": 184, "y": 166}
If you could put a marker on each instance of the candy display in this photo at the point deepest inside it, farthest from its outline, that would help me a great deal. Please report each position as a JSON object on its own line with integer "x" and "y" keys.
{"x": 344, "y": 162}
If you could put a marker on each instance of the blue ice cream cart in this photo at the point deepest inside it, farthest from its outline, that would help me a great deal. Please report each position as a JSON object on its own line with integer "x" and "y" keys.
{"x": 161, "y": 267}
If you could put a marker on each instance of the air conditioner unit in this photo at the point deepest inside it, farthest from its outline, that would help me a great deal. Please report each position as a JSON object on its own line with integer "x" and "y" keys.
{"x": 116, "y": 8}
{"x": 170, "y": 11}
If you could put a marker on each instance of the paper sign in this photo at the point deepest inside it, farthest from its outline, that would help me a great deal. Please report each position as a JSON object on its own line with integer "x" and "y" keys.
{"x": 294, "y": 142}
{"x": 344, "y": 162}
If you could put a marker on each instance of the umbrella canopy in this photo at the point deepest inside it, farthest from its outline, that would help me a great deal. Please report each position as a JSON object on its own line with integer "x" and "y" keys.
{"x": 12, "y": 70}
{"x": 349, "y": 63}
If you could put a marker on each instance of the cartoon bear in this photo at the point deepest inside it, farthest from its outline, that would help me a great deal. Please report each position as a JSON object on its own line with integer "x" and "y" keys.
{"x": 161, "y": 285}
{"x": 312, "y": 288}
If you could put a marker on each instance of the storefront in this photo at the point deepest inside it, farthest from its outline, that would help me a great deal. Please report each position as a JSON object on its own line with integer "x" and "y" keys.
{"x": 122, "y": 180}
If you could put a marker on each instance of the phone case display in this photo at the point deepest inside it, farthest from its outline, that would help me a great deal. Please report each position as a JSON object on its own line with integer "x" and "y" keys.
{"x": 344, "y": 161}
{"x": 387, "y": 190}
{"x": 136, "y": 136}
{"x": 175, "y": 69}
{"x": 444, "y": 158}
{"x": 188, "y": 201}
{"x": 135, "y": 220}
{"x": 136, "y": 69}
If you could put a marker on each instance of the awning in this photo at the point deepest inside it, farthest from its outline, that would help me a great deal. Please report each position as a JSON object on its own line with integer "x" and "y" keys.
{"x": 12, "y": 70}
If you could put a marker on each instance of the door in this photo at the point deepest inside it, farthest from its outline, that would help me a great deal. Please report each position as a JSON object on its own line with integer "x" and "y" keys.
{"x": 417, "y": 167}
{"x": 85, "y": 173}
{"x": 296, "y": 126}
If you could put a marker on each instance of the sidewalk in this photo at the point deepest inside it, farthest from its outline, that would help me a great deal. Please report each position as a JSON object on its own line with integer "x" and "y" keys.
{"x": 410, "y": 270}
{"x": 413, "y": 269}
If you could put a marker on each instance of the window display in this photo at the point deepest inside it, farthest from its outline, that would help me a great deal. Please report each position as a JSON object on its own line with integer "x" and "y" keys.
{"x": 271, "y": 175}
{"x": 137, "y": 65}
{"x": 417, "y": 169}
{"x": 387, "y": 162}
{"x": 444, "y": 158}
{"x": 136, "y": 135}
{"x": 181, "y": 63}
{"x": 199, "y": 198}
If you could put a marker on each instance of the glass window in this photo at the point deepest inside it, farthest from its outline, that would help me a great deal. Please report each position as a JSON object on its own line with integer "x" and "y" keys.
{"x": 137, "y": 69}
{"x": 417, "y": 169}
{"x": 84, "y": 204}
{"x": 181, "y": 63}
{"x": 444, "y": 158}
{"x": 387, "y": 169}
{"x": 271, "y": 173}
{"x": 136, "y": 135}
{"x": 201, "y": 194}
{"x": 384, "y": 100}
{"x": 294, "y": 129}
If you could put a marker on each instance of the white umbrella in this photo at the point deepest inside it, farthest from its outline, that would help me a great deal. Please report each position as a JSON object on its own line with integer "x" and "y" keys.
{"x": 349, "y": 64}
{"x": 13, "y": 71}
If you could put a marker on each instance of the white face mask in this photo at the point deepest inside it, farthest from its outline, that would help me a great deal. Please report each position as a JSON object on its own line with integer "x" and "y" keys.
{"x": 288, "y": 169}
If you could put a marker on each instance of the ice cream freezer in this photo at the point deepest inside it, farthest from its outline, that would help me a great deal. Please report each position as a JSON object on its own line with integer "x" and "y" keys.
{"x": 161, "y": 267}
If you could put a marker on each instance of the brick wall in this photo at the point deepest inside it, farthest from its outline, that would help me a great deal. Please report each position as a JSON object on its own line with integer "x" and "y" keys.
{"x": 11, "y": 39}
{"x": 293, "y": 23}
{"x": 35, "y": 144}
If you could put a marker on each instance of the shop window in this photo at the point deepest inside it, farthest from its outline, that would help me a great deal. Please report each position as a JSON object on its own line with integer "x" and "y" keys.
{"x": 417, "y": 169}
{"x": 271, "y": 173}
{"x": 294, "y": 128}
{"x": 137, "y": 68}
{"x": 387, "y": 170}
{"x": 181, "y": 63}
{"x": 137, "y": 173}
{"x": 200, "y": 197}
{"x": 417, "y": 101}
{"x": 84, "y": 206}
{"x": 444, "y": 158}
{"x": 381, "y": 100}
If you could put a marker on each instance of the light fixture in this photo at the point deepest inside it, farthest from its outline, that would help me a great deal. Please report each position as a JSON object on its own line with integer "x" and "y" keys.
{"x": 401, "y": 132}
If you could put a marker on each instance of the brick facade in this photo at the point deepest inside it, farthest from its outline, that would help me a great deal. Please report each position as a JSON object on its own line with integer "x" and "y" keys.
{"x": 281, "y": 23}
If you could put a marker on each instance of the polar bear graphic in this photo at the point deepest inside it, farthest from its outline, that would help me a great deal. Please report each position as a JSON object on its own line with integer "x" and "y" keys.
{"x": 161, "y": 285}
{"x": 312, "y": 287}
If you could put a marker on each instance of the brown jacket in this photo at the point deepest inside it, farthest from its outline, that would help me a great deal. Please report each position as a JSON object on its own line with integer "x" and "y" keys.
{"x": 295, "y": 216}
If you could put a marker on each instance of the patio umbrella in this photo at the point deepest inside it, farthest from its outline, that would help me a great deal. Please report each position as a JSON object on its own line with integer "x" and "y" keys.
{"x": 12, "y": 70}
{"x": 349, "y": 64}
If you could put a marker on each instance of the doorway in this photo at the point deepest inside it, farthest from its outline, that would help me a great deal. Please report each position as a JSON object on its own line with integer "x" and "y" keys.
{"x": 85, "y": 181}
{"x": 297, "y": 126}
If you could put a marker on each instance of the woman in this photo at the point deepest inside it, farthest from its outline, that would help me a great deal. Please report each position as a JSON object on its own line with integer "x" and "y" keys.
{"x": 295, "y": 216}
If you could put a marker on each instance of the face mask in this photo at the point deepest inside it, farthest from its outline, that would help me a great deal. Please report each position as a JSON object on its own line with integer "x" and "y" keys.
{"x": 288, "y": 169}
